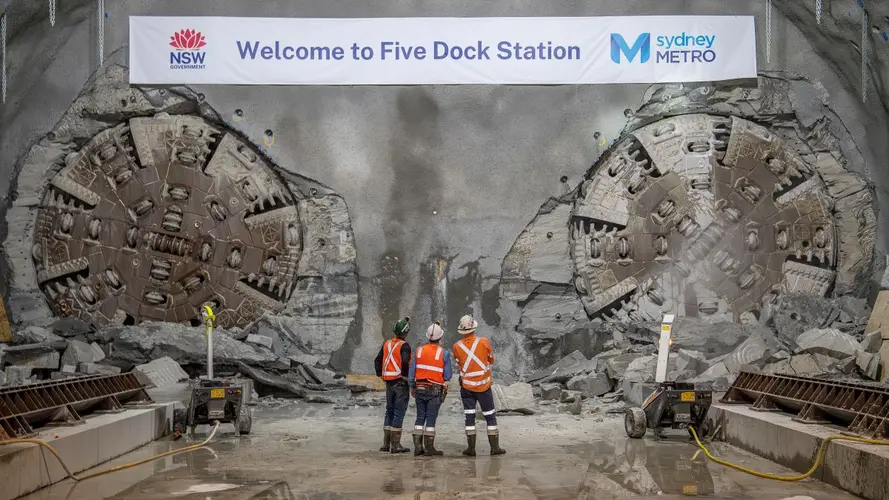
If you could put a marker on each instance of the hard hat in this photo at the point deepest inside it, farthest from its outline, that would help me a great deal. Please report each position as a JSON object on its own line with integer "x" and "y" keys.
{"x": 467, "y": 325}
{"x": 434, "y": 332}
{"x": 402, "y": 327}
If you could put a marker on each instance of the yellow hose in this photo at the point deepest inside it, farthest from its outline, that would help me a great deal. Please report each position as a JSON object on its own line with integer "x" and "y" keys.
{"x": 818, "y": 457}
{"x": 71, "y": 475}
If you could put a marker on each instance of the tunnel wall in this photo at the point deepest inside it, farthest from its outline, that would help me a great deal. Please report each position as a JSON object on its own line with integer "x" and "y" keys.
{"x": 439, "y": 180}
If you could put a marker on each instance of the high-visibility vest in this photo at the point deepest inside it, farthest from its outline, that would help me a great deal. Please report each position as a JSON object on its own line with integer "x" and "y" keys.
{"x": 392, "y": 359}
{"x": 430, "y": 364}
{"x": 474, "y": 359}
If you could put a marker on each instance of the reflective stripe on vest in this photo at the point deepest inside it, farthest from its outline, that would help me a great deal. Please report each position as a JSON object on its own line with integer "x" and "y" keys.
{"x": 391, "y": 366}
{"x": 470, "y": 357}
{"x": 425, "y": 369}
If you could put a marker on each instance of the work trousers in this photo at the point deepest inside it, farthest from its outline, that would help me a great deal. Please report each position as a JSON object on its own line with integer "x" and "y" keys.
{"x": 486, "y": 401}
{"x": 429, "y": 399}
{"x": 398, "y": 395}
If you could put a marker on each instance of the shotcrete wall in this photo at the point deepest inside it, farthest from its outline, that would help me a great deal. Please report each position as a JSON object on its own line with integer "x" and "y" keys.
{"x": 440, "y": 181}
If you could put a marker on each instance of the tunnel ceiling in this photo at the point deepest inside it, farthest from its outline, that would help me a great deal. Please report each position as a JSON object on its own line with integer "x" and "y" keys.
{"x": 157, "y": 216}
{"x": 700, "y": 215}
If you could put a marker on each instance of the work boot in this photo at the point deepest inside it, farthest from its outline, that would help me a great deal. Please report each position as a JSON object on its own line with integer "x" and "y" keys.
{"x": 395, "y": 444}
{"x": 418, "y": 445}
{"x": 470, "y": 445}
{"x": 387, "y": 438}
{"x": 494, "y": 440}
{"x": 429, "y": 446}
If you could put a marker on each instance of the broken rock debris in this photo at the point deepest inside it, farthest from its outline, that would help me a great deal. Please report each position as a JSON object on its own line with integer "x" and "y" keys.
{"x": 276, "y": 358}
{"x": 831, "y": 344}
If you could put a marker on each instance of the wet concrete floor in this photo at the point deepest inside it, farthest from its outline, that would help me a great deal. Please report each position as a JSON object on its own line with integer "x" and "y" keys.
{"x": 303, "y": 451}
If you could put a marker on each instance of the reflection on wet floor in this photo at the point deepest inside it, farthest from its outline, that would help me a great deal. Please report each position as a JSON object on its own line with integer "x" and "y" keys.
{"x": 316, "y": 455}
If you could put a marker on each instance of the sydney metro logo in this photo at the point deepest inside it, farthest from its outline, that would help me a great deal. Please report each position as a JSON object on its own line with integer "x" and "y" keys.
{"x": 188, "y": 55}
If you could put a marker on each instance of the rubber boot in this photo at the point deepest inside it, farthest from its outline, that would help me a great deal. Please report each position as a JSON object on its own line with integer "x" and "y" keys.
{"x": 494, "y": 440}
{"x": 429, "y": 446}
{"x": 418, "y": 445}
{"x": 470, "y": 445}
{"x": 387, "y": 438}
{"x": 395, "y": 445}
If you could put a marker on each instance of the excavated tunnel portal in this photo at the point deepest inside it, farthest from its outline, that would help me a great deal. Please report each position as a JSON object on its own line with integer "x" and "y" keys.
{"x": 700, "y": 215}
{"x": 157, "y": 216}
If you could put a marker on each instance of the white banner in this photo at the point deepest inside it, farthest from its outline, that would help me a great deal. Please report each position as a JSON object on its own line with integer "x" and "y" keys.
{"x": 419, "y": 51}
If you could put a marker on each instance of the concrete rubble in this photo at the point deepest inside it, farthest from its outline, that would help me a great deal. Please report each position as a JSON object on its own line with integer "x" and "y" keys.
{"x": 798, "y": 335}
{"x": 270, "y": 352}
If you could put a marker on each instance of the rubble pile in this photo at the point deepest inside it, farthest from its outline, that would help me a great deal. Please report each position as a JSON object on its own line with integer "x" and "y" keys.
{"x": 798, "y": 335}
{"x": 274, "y": 356}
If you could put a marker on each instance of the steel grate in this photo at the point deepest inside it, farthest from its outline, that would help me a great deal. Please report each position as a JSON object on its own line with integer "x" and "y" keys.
{"x": 862, "y": 408}
{"x": 26, "y": 407}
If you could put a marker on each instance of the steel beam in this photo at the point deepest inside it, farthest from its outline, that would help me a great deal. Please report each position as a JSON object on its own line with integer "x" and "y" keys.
{"x": 860, "y": 407}
{"x": 63, "y": 402}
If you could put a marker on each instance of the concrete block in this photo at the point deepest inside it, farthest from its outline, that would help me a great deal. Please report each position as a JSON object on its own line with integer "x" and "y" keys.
{"x": 96, "y": 368}
{"x": 68, "y": 369}
{"x": 871, "y": 342}
{"x": 869, "y": 365}
{"x": 260, "y": 340}
{"x": 2, "y": 378}
{"x": 856, "y": 468}
{"x": 27, "y": 468}
{"x": 160, "y": 372}
{"x": 98, "y": 353}
{"x": 590, "y": 385}
{"x": 18, "y": 375}
{"x": 879, "y": 316}
{"x": 884, "y": 361}
{"x": 81, "y": 352}
{"x": 550, "y": 391}
{"x": 35, "y": 360}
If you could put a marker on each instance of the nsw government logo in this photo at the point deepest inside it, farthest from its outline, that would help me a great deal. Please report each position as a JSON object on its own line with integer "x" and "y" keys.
{"x": 682, "y": 48}
{"x": 187, "y": 54}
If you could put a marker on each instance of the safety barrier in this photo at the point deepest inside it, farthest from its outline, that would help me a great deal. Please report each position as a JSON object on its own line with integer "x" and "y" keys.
{"x": 26, "y": 407}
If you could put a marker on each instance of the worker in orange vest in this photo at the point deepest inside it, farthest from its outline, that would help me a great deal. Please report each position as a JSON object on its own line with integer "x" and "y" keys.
{"x": 430, "y": 371}
{"x": 474, "y": 357}
{"x": 392, "y": 365}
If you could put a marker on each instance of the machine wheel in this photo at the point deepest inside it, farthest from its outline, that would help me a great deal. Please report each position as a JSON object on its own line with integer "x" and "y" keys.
{"x": 703, "y": 429}
{"x": 245, "y": 420}
{"x": 180, "y": 420}
{"x": 635, "y": 422}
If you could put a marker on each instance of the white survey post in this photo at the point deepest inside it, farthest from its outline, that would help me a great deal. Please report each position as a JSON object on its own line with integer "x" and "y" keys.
{"x": 663, "y": 354}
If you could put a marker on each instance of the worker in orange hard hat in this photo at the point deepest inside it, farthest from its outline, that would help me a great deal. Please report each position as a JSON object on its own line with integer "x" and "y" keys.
{"x": 474, "y": 357}
{"x": 430, "y": 371}
{"x": 392, "y": 365}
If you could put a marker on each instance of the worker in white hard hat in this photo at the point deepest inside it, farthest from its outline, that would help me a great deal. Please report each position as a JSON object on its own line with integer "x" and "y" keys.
{"x": 429, "y": 374}
{"x": 474, "y": 357}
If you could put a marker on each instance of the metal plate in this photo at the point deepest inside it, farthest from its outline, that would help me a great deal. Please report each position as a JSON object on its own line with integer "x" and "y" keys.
{"x": 217, "y": 393}
{"x": 687, "y": 396}
{"x": 682, "y": 417}
{"x": 690, "y": 489}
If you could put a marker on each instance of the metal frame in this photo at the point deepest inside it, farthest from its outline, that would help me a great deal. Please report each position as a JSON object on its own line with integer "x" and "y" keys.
{"x": 862, "y": 408}
{"x": 63, "y": 402}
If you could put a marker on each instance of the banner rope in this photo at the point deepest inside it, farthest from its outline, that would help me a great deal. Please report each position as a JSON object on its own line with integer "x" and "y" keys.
{"x": 101, "y": 30}
{"x": 768, "y": 31}
{"x": 3, "y": 56}
{"x": 865, "y": 53}
{"x": 52, "y": 12}
{"x": 818, "y": 11}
